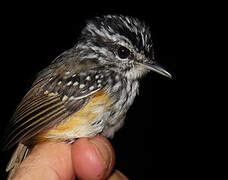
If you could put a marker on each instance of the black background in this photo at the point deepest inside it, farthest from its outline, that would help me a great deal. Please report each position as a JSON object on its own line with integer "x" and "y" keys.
{"x": 149, "y": 145}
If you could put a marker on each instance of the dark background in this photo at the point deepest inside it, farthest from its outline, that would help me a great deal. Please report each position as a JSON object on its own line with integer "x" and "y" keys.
{"x": 150, "y": 143}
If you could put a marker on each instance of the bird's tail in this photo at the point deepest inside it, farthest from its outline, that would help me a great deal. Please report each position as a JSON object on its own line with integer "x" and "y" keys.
{"x": 18, "y": 156}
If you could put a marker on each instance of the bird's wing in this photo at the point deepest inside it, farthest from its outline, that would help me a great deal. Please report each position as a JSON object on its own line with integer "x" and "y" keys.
{"x": 55, "y": 95}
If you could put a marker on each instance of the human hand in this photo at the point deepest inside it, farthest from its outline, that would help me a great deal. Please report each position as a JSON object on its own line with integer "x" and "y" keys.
{"x": 87, "y": 158}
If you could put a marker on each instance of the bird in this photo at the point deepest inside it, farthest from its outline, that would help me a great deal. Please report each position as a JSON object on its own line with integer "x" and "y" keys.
{"x": 86, "y": 90}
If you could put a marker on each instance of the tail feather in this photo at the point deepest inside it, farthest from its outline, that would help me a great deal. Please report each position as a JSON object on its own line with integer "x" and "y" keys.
{"x": 18, "y": 156}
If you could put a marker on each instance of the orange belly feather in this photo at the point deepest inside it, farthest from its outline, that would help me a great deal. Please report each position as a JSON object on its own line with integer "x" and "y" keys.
{"x": 83, "y": 117}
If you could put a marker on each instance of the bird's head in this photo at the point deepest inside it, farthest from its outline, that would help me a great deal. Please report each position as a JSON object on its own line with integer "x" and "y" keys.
{"x": 122, "y": 43}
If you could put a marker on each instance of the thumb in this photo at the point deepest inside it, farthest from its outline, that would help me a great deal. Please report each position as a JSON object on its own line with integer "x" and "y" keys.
{"x": 93, "y": 158}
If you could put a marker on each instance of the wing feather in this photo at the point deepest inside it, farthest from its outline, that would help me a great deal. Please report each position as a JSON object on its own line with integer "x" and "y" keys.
{"x": 38, "y": 116}
{"x": 47, "y": 103}
{"x": 34, "y": 107}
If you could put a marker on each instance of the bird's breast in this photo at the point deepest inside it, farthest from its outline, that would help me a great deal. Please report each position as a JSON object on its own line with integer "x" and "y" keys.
{"x": 106, "y": 109}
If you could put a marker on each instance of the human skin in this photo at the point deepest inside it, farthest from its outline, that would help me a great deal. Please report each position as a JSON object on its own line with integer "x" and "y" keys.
{"x": 87, "y": 158}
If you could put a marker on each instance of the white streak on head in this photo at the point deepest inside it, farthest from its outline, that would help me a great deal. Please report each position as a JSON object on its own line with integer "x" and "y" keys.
{"x": 136, "y": 72}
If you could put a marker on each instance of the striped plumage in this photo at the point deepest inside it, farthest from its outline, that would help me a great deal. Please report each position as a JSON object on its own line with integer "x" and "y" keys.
{"x": 51, "y": 100}
{"x": 86, "y": 90}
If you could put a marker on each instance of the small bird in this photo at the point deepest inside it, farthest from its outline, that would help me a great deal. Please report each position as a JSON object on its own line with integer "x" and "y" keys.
{"x": 87, "y": 89}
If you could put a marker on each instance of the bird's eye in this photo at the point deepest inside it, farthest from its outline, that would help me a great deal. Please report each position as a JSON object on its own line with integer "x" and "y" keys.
{"x": 123, "y": 52}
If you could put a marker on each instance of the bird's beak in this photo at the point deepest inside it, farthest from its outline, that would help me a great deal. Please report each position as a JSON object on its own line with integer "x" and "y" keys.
{"x": 155, "y": 67}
